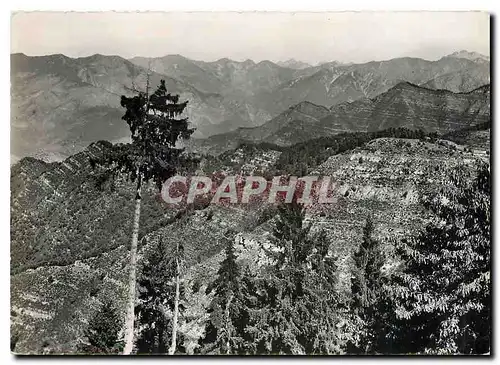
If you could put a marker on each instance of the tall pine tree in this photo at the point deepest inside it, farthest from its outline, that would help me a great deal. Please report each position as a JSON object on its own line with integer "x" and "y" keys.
{"x": 152, "y": 308}
{"x": 155, "y": 128}
{"x": 226, "y": 328}
{"x": 103, "y": 329}
{"x": 367, "y": 292}
{"x": 294, "y": 317}
{"x": 323, "y": 298}
{"x": 160, "y": 294}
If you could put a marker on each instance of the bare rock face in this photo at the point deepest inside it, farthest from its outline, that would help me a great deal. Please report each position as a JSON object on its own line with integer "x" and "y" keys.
{"x": 473, "y": 56}
{"x": 460, "y": 81}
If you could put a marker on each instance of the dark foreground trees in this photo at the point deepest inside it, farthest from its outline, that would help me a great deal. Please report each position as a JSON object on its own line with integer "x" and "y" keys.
{"x": 296, "y": 306}
{"x": 228, "y": 310}
{"x": 437, "y": 301}
{"x": 154, "y": 294}
{"x": 103, "y": 331}
{"x": 160, "y": 293}
{"x": 368, "y": 296}
{"x": 442, "y": 296}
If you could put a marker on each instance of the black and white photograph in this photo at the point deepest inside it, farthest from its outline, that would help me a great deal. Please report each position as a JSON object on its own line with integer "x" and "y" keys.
{"x": 250, "y": 183}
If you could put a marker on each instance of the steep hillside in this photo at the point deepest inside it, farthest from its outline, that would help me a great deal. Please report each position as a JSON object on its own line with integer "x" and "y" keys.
{"x": 70, "y": 240}
{"x": 69, "y": 245}
{"x": 293, "y": 63}
{"x": 60, "y": 104}
{"x": 410, "y": 106}
{"x": 405, "y": 105}
{"x": 305, "y": 114}
{"x": 461, "y": 81}
{"x": 473, "y": 56}
{"x": 182, "y": 68}
{"x": 248, "y": 77}
{"x": 385, "y": 179}
{"x": 223, "y": 76}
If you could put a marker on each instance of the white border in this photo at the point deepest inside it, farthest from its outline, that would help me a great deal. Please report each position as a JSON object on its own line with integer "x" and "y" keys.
{"x": 254, "y": 5}
{"x": 188, "y": 5}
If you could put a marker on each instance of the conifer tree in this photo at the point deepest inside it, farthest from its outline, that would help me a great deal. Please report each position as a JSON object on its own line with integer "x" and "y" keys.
{"x": 286, "y": 285}
{"x": 367, "y": 291}
{"x": 225, "y": 329}
{"x": 103, "y": 329}
{"x": 160, "y": 294}
{"x": 324, "y": 298}
{"x": 296, "y": 317}
{"x": 155, "y": 128}
{"x": 195, "y": 317}
{"x": 443, "y": 292}
{"x": 154, "y": 297}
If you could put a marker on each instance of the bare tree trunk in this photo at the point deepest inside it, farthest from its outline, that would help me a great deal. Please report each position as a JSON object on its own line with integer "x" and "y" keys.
{"x": 129, "y": 323}
{"x": 171, "y": 350}
{"x": 228, "y": 331}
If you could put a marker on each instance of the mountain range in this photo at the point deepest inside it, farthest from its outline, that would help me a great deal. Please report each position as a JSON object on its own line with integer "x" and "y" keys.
{"x": 404, "y": 105}
{"x": 293, "y": 63}
{"x": 60, "y": 104}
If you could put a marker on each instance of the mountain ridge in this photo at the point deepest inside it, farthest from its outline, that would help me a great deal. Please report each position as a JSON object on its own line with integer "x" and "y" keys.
{"x": 395, "y": 108}
{"x": 60, "y": 104}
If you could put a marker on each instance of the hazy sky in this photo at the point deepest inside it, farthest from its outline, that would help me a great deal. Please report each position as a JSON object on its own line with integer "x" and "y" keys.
{"x": 310, "y": 37}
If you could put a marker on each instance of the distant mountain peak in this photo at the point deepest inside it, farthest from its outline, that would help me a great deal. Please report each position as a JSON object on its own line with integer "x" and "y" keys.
{"x": 293, "y": 63}
{"x": 473, "y": 56}
{"x": 266, "y": 62}
{"x": 95, "y": 56}
{"x": 174, "y": 57}
{"x": 224, "y": 60}
{"x": 248, "y": 61}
